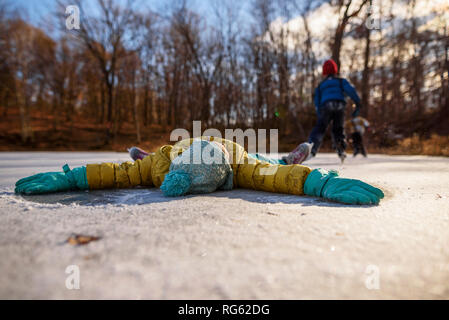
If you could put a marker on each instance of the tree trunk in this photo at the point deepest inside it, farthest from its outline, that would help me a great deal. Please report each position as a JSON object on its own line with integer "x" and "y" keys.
{"x": 205, "y": 110}
{"x": 26, "y": 132}
{"x": 145, "y": 107}
{"x": 366, "y": 72}
{"x": 110, "y": 89}
{"x": 338, "y": 39}
{"x": 102, "y": 104}
{"x": 445, "y": 84}
{"x": 340, "y": 31}
{"x": 22, "y": 102}
{"x": 136, "y": 116}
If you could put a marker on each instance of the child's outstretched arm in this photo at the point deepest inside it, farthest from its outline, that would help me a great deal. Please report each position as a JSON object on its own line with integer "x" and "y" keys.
{"x": 301, "y": 180}
{"x": 352, "y": 93}
{"x": 263, "y": 176}
{"x": 149, "y": 171}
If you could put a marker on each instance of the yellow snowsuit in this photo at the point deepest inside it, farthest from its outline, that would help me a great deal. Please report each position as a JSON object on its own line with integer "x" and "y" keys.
{"x": 248, "y": 173}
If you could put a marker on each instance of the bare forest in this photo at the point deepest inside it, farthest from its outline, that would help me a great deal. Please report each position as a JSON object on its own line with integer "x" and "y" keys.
{"x": 130, "y": 74}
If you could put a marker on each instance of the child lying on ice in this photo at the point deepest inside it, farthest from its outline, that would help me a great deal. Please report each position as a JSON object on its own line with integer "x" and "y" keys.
{"x": 186, "y": 168}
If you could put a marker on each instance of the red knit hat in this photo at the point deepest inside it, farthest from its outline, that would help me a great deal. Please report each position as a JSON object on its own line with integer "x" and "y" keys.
{"x": 330, "y": 67}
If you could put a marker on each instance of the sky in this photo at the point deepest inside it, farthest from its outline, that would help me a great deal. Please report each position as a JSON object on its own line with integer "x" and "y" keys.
{"x": 36, "y": 10}
{"x": 42, "y": 13}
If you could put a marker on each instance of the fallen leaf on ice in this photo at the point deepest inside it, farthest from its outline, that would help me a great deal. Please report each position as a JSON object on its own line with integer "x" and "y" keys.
{"x": 91, "y": 257}
{"x": 80, "y": 240}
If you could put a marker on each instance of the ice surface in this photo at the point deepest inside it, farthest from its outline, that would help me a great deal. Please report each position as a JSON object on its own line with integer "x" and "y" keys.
{"x": 235, "y": 244}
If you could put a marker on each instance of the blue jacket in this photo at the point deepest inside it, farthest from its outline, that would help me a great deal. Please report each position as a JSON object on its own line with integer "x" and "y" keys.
{"x": 333, "y": 88}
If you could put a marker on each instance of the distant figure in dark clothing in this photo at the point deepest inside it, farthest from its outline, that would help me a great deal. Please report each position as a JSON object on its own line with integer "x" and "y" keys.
{"x": 357, "y": 127}
{"x": 330, "y": 104}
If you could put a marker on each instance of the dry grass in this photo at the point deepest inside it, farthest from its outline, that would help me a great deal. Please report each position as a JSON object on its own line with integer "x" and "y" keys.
{"x": 434, "y": 146}
{"x": 86, "y": 135}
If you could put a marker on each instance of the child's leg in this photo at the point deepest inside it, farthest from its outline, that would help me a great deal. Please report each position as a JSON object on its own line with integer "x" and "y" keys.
{"x": 355, "y": 143}
{"x": 317, "y": 134}
{"x": 338, "y": 133}
{"x": 362, "y": 146}
{"x": 260, "y": 157}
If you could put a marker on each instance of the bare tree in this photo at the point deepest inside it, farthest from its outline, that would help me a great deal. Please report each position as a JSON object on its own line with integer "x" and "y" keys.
{"x": 131, "y": 70}
{"x": 346, "y": 14}
{"x": 205, "y": 56}
{"x": 109, "y": 37}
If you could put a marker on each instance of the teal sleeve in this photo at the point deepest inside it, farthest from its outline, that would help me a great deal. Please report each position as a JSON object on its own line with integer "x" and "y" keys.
{"x": 316, "y": 180}
{"x": 77, "y": 177}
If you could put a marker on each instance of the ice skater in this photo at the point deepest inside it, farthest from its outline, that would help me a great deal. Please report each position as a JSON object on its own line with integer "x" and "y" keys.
{"x": 330, "y": 105}
{"x": 357, "y": 127}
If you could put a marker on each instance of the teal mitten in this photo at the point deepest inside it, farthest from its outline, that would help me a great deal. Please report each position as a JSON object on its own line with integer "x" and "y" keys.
{"x": 49, "y": 182}
{"x": 327, "y": 184}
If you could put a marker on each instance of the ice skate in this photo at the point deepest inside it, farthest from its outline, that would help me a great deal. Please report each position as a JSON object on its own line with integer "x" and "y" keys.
{"x": 364, "y": 153}
{"x": 302, "y": 153}
{"x": 137, "y": 153}
{"x": 342, "y": 156}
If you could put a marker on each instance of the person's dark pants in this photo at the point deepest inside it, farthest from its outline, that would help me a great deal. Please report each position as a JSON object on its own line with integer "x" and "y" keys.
{"x": 357, "y": 143}
{"x": 331, "y": 111}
